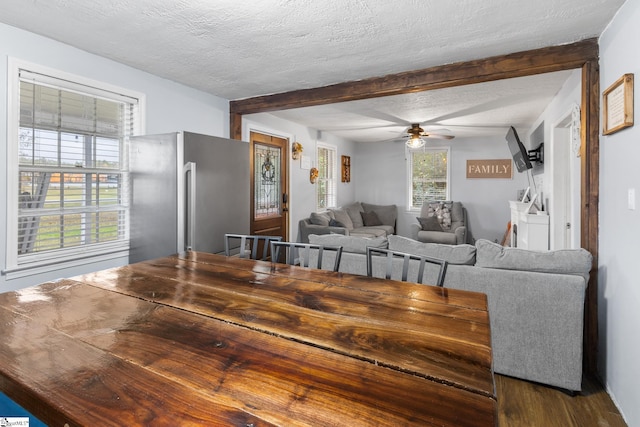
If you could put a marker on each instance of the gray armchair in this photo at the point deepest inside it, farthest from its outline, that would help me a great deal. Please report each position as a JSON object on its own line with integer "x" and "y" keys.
{"x": 441, "y": 222}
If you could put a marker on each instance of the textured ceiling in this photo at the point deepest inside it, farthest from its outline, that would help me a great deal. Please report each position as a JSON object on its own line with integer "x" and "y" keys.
{"x": 238, "y": 49}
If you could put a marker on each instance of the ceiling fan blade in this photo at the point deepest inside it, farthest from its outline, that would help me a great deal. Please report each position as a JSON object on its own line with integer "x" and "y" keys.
{"x": 437, "y": 136}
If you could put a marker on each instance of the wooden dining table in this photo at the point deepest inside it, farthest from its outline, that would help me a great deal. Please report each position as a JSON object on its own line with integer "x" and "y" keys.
{"x": 204, "y": 339}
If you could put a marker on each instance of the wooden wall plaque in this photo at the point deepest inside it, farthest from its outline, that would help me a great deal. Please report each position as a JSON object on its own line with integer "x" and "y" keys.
{"x": 492, "y": 168}
{"x": 346, "y": 169}
{"x": 617, "y": 101}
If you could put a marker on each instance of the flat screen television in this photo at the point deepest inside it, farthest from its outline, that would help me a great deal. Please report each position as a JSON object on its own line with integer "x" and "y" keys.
{"x": 518, "y": 151}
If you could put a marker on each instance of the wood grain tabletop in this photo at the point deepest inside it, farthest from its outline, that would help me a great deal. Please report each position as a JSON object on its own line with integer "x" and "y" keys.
{"x": 203, "y": 339}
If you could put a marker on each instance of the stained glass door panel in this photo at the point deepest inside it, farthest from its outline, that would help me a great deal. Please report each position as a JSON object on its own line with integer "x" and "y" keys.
{"x": 266, "y": 177}
{"x": 269, "y": 192}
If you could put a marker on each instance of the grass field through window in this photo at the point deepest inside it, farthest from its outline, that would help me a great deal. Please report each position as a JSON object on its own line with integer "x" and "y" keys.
{"x": 63, "y": 230}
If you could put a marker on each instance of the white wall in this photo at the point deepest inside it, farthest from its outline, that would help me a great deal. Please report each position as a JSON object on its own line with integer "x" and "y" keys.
{"x": 486, "y": 200}
{"x": 619, "y": 247}
{"x": 170, "y": 107}
{"x": 557, "y": 111}
{"x": 302, "y": 194}
{"x": 381, "y": 178}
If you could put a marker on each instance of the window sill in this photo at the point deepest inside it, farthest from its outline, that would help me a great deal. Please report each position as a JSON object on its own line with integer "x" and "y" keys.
{"x": 47, "y": 266}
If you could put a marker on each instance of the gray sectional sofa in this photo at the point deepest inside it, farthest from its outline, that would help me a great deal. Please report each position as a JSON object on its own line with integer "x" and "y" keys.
{"x": 536, "y": 299}
{"x": 355, "y": 219}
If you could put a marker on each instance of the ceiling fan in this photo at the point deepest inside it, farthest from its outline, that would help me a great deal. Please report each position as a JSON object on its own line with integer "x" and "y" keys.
{"x": 416, "y": 136}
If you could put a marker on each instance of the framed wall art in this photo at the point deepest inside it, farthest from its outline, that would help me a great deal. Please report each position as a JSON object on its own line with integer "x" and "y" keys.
{"x": 617, "y": 105}
{"x": 346, "y": 169}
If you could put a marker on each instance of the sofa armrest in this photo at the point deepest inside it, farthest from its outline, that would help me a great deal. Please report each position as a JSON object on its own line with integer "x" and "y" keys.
{"x": 415, "y": 228}
{"x": 461, "y": 235}
{"x": 536, "y": 321}
{"x": 306, "y": 228}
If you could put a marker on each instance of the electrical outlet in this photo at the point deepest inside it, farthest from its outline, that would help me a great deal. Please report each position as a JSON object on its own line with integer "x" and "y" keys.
{"x": 631, "y": 198}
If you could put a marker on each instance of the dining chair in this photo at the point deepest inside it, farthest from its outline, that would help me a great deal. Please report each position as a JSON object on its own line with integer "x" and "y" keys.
{"x": 390, "y": 255}
{"x": 300, "y": 253}
{"x": 253, "y": 242}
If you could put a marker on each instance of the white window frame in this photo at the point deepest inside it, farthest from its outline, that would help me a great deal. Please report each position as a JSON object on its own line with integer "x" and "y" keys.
{"x": 69, "y": 257}
{"x": 332, "y": 181}
{"x": 409, "y": 155}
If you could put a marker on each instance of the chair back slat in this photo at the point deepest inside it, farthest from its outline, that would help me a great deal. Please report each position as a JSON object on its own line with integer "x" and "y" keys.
{"x": 303, "y": 250}
{"x": 390, "y": 255}
{"x": 249, "y": 245}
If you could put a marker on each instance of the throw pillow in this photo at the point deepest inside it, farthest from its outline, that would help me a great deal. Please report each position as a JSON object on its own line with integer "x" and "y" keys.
{"x": 388, "y": 214}
{"x": 442, "y": 211}
{"x": 319, "y": 218}
{"x": 430, "y": 223}
{"x": 353, "y": 210}
{"x": 370, "y": 219}
{"x": 334, "y": 223}
{"x": 343, "y": 217}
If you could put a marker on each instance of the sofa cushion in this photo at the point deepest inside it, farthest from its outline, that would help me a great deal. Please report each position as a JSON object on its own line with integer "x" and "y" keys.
{"x": 320, "y": 218}
{"x": 343, "y": 217}
{"x": 454, "y": 254}
{"x": 388, "y": 214}
{"x": 430, "y": 223}
{"x": 563, "y": 261}
{"x": 378, "y": 230}
{"x": 353, "y": 244}
{"x": 353, "y": 210}
{"x": 370, "y": 218}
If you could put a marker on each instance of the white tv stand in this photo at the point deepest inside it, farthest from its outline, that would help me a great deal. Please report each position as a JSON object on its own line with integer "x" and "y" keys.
{"x": 528, "y": 230}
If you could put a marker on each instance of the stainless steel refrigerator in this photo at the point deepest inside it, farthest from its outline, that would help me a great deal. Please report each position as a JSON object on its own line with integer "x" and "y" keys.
{"x": 187, "y": 191}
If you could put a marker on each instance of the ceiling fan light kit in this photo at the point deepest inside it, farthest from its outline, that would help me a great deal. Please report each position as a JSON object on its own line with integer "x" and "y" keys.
{"x": 417, "y": 135}
{"x": 415, "y": 142}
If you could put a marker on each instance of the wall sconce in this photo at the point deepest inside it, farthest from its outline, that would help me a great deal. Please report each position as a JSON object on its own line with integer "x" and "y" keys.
{"x": 313, "y": 175}
{"x": 296, "y": 150}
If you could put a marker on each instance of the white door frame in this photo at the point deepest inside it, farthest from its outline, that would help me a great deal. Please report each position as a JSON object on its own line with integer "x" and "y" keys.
{"x": 564, "y": 206}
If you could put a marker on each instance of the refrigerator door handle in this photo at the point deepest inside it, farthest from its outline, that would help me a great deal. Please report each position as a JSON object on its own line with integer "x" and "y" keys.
{"x": 189, "y": 171}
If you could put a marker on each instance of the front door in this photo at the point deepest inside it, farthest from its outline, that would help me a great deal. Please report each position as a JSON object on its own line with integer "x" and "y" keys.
{"x": 269, "y": 189}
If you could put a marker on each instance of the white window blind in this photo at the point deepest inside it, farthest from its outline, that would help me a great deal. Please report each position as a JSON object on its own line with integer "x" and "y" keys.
{"x": 326, "y": 184}
{"x": 428, "y": 176}
{"x": 72, "y": 198}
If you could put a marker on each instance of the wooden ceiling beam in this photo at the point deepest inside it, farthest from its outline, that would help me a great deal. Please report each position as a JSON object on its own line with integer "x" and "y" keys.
{"x": 520, "y": 64}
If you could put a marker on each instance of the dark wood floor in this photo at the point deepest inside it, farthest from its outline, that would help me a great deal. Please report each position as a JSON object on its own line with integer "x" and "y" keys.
{"x": 521, "y": 403}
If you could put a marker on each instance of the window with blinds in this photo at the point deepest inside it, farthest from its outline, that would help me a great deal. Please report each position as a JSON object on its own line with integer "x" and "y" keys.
{"x": 326, "y": 185}
{"x": 72, "y": 180}
{"x": 429, "y": 176}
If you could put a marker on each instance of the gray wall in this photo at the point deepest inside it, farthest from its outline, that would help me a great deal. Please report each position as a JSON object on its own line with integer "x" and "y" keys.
{"x": 381, "y": 178}
{"x": 619, "y": 250}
